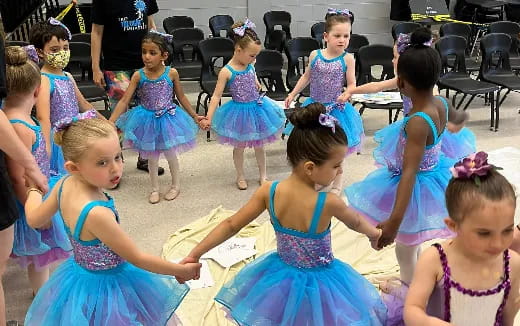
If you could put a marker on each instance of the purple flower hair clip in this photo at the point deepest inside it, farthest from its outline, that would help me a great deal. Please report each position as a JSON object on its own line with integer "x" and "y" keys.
{"x": 403, "y": 43}
{"x": 241, "y": 30}
{"x": 54, "y": 21}
{"x": 342, "y": 12}
{"x": 65, "y": 123}
{"x": 473, "y": 167}
{"x": 31, "y": 53}
{"x": 167, "y": 37}
{"x": 327, "y": 120}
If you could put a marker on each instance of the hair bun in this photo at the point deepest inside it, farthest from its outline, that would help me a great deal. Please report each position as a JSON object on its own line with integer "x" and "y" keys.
{"x": 420, "y": 36}
{"x": 15, "y": 56}
{"x": 307, "y": 117}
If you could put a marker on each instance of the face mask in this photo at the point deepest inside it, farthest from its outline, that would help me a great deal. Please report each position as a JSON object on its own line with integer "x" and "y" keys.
{"x": 59, "y": 59}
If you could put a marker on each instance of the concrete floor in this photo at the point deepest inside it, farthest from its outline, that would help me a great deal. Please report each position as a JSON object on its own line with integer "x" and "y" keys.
{"x": 208, "y": 180}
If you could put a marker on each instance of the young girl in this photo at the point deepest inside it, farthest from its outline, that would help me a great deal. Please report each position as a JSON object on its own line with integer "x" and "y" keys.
{"x": 249, "y": 119}
{"x": 457, "y": 143}
{"x": 109, "y": 281}
{"x": 301, "y": 283}
{"x": 59, "y": 97}
{"x": 327, "y": 72}
{"x": 481, "y": 205}
{"x": 405, "y": 198}
{"x": 157, "y": 125}
{"x": 35, "y": 249}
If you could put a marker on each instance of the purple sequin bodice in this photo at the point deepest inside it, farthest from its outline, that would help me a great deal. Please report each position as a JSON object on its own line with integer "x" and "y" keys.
{"x": 96, "y": 257}
{"x": 429, "y": 160}
{"x": 63, "y": 102}
{"x": 407, "y": 105}
{"x": 327, "y": 78}
{"x": 156, "y": 94}
{"x": 242, "y": 85}
{"x": 304, "y": 252}
{"x": 40, "y": 154}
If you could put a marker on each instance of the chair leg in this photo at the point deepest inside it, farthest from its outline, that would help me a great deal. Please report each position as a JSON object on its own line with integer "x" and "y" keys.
{"x": 208, "y": 133}
{"x": 198, "y": 102}
{"x": 469, "y": 101}
{"x": 497, "y": 110}
{"x": 390, "y": 116}
{"x": 396, "y": 116}
{"x": 461, "y": 101}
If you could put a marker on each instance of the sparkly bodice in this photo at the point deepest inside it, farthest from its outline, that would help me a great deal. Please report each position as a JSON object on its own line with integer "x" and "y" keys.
{"x": 63, "y": 101}
{"x": 460, "y": 306}
{"x": 302, "y": 249}
{"x": 156, "y": 94}
{"x": 327, "y": 78}
{"x": 407, "y": 105}
{"x": 38, "y": 150}
{"x": 242, "y": 85}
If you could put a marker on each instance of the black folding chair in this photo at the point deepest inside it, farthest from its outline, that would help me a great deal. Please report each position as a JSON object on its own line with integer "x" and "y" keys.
{"x": 463, "y": 30}
{"x": 273, "y": 19}
{"x": 219, "y": 23}
{"x": 298, "y": 51}
{"x": 268, "y": 67}
{"x": 317, "y": 30}
{"x": 404, "y": 28}
{"x": 172, "y": 23}
{"x": 513, "y": 30}
{"x": 81, "y": 37}
{"x": 186, "y": 57}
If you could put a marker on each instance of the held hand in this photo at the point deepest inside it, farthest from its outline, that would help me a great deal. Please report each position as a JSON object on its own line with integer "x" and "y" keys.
{"x": 344, "y": 97}
{"x": 183, "y": 262}
{"x": 288, "y": 100}
{"x": 189, "y": 271}
{"x": 35, "y": 178}
{"x": 98, "y": 78}
{"x": 375, "y": 240}
{"x": 205, "y": 124}
{"x": 454, "y": 128}
{"x": 389, "y": 232}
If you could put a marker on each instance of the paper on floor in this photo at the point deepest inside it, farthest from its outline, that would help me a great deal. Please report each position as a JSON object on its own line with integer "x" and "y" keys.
{"x": 232, "y": 251}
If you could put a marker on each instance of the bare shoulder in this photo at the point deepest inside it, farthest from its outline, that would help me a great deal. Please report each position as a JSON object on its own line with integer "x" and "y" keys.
{"x": 514, "y": 263}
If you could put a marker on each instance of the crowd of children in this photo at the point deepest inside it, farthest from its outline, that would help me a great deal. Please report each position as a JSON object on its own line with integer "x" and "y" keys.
{"x": 430, "y": 184}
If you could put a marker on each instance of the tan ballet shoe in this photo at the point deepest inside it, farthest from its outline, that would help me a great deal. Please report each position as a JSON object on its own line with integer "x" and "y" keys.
{"x": 242, "y": 184}
{"x": 172, "y": 194}
{"x": 154, "y": 197}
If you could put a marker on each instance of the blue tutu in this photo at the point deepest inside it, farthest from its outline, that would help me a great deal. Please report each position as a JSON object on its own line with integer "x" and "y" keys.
{"x": 57, "y": 160}
{"x": 459, "y": 145}
{"x": 248, "y": 124}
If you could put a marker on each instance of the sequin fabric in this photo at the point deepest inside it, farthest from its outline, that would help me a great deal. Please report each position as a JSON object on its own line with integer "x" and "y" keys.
{"x": 156, "y": 94}
{"x": 63, "y": 102}
{"x": 96, "y": 257}
{"x": 407, "y": 105}
{"x": 243, "y": 86}
{"x": 429, "y": 160}
{"x": 304, "y": 252}
{"x": 327, "y": 79}
{"x": 40, "y": 153}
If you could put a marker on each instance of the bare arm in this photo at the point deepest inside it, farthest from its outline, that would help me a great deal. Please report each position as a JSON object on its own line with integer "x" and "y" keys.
{"x": 223, "y": 76}
{"x": 17, "y": 171}
{"x": 350, "y": 75}
{"x": 127, "y": 97}
{"x": 302, "y": 82}
{"x": 38, "y": 212}
{"x": 43, "y": 110}
{"x": 181, "y": 96}
{"x": 151, "y": 23}
{"x": 350, "y": 217}
{"x": 95, "y": 52}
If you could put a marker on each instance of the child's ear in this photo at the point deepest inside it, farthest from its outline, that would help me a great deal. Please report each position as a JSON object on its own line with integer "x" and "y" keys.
{"x": 36, "y": 91}
{"x": 451, "y": 224}
{"x": 308, "y": 167}
{"x": 40, "y": 53}
{"x": 71, "y": 167}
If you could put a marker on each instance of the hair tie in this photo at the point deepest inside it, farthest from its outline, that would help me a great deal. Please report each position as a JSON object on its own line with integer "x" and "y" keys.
{"x": 241, "y": 30}
{"x": 404, "y": 42}
{"x": 327, "y": 120}
{"x": 55, "y": 22}
{"x": 473, "y": 167}
{"x": 31, "y": 53}
{"x": 67, "y": 122}
{"x": 167, "y": 37}
{"x": 342, "y": 12}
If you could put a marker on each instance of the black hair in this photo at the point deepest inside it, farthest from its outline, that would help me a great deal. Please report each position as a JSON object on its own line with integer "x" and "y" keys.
{"x": 159, "y": 40}
{"x": 42, "y": 32}
{"x": 332, "y": 19}
{"x": 243, "y": 40}
{"x": 419, "y": 64}
{"x": 310, "y": 140}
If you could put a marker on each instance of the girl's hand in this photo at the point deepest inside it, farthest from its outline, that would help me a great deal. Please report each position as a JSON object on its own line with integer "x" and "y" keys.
{"x": 187, "y": 260}
{"x": 375, "y": 240}
{"x": 454, "y": 128}
{"x": 289, "y": 100}
{"x": 344, "y": 97}
{"x": 205, "y": 124}
{"x": 389, "y": 230}
{"x": 188, "y": 271}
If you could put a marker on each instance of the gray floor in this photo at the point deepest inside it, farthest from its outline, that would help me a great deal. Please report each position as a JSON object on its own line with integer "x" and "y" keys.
{"x": 208, "y": 180}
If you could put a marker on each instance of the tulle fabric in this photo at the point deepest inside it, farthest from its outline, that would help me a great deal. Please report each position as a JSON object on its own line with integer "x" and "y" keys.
{"x": 248, "y": 124}
{"x": 151, "y": 135}
{"x": 125, "y": 295}
{"x": 394, "y": 301}
{"x": 459, "y": 145}
{"x": 57, "y": 160}
{"x": 271, "y": 292}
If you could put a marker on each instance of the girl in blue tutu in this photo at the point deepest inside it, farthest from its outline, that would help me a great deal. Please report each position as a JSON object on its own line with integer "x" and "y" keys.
{"x": 457, "y": 143}
{"x": 34, "y": 248}
{"x": 157, "y": 125}
{"x": 405, "y": 198}
{"x": 249, "y": 119}
{"x": 301, "y": 283}
{"x": 327, "y": 73}
{"x": 109, "y": 281}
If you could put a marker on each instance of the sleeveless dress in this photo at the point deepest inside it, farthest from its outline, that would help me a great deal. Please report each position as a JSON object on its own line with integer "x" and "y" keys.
{"x": 98, "y": 287}
{"x": 63, "y": 107}
{"x": 374, "y": 197}
{"x": 43, "y": 246}
{"x": 454, "y": 145}
{"x": 157, "y": 125}
{"x": 326, "y": 84}
{"x": 301, "y": 283}
{"x": 249, "y": 119}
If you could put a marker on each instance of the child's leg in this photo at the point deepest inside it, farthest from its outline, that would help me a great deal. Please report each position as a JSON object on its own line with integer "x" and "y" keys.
{"x": 238, "y": 160}
{"x": 516, "y": 240}
{"x": 37, "y": 277}
{"x": 6, "y": 245}
{"x": 337, "y": 185}
{"x": 260, "y": 160}
{"x": 407, "y": 258}
{"x": 173, "y": 163}
{"x": 153, "y": 162}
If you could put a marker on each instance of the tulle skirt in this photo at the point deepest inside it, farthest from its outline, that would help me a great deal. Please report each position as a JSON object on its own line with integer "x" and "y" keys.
{"x": 248, "y": 124}
{"x": 43, "y": 246}
{"x": 124, "y": 295}
{"x": 151, "y": 135}
{"x": 57, "y": 159}
{"x": 271, "y": 292}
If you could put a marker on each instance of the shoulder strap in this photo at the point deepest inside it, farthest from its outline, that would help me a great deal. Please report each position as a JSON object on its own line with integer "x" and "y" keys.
{"x": 272, "y": 191}
{"x": 317, "y": 212}
{"x": 51, "y": 81}
{"x": 342, "y": 60}
{"x": 84, "y": 213}
{"x": 318, "y": 55}
{"x": 33, "y": 128}
{"x": 446, "y": 280}
{"x": 430, "y": 123}
{"x": 60, "y": 190}
{"x": 233, "y": 71}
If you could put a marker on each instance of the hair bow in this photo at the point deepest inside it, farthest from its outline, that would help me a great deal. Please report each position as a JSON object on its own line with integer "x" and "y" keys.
{"x": 403, "y": 43}
{"x": 343, "y": 12}
{"x": 241, "y": 30}
{"x": 54, "y": 21}
{"x": 167, "y": 37}
{"x": 327, "y": 120}
{"x": 31, "y": 53}
{"x": 260, "y": 99}
{"x": 473, "y": 167}
{"x": 65, "y": 123}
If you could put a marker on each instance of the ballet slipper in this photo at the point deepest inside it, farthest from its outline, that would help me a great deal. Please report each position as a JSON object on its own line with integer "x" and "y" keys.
{"x": 242, "y": 184}
{"x": 154, "y": 197}
{"x": 172, "y": 193}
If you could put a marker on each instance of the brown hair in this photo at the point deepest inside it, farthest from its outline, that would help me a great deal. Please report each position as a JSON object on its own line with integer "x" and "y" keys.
{"x": 43, "y": 32}
{"x": 79, "y": 135}
{"x": 310, "y": 140}
{"x": 463, "y": 196}
{"x": 22, "y": 74}
{"x": 333, "y": 19}
{"x": 248, "y": 37}
{"x": 159, "y": 40}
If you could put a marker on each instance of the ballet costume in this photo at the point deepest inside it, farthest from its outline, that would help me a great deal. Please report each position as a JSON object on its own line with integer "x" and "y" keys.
{"x": 327, "y": 79}
{"x": 454, "y": 145}
{"x": 301, "y": 283}
{"x": 157, "y": 125}
{"x": 98, "y": 287}
{"x": 43, "y": 246}
{"x": 63, "y": 107}
{"x": 249, "y": 119}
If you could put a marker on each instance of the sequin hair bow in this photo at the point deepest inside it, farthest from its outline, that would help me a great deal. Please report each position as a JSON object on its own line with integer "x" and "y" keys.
{"x": 260, "y": 99}
{"x": 342, "y": 12}
{"x": 241, "y": 30}
{"x": 327, "y": 120}
{"x": 167, "y": 37}
{"x": 473, "y": 167}
{"x": 65, "y": 123}
{"x": 55, "y": 22}
{"x": 403, "y": 43}
{"x": 31, "y": 53}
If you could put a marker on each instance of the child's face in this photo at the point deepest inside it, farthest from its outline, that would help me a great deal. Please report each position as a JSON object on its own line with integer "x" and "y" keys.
{"x": 488, "y": 230}
{"x": 325, "y": 173}
{"x": 56, "y": 53}
{"x": 248, "y": 54}
{"x": 338, "y": 37}
{"x": 152, "y": 55}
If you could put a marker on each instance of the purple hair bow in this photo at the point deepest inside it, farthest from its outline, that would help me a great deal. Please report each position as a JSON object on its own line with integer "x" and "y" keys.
{"x": 241, "y": 30}
{"x": 54, "y": 21}
{"x": 167, "y": 37}
{"x": 31, "y": 53}
{"x": 327, "y": 120}
{"x": 473, "y": 167}
{"x": 403, "y": 43}
{"x": 65, "y": 123}
{"x": 343, "y": 12}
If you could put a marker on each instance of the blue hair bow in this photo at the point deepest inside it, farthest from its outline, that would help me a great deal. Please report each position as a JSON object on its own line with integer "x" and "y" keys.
{"x": 343, "y": 12}
{"x": 167, "y": 37}
{"x": 65, "y": 123}
{"x": 241, "y": 30}
{"x": 327, "y": 120}
{"x": 55, "y": 22}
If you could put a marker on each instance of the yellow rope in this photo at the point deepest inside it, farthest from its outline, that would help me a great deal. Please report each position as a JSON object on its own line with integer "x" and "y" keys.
{"x": 79, "y": 16}
{"x": 444, "y": 18}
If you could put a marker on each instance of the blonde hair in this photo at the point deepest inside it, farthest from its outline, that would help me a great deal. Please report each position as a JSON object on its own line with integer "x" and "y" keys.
{"x": 76, "y": 138}
{"x": 249, "y": 36}
{"x": 22, "y": 74}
